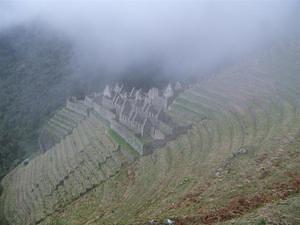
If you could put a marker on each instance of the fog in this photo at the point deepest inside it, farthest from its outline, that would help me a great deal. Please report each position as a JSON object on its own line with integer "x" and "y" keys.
{"x": 177, "y": 38}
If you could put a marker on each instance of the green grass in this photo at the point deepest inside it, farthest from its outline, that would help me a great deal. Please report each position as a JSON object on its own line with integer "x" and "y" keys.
{"x": 119, "y": 140}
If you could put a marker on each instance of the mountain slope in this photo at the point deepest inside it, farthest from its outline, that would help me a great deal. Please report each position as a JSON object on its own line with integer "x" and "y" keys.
{"x": 34, "y": 82}
{"x": 240, "y": 157}
{"x": 38, "y": 72}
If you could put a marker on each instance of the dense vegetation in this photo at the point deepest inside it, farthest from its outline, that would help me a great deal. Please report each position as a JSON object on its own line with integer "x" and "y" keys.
{"x": 34, "y": 73}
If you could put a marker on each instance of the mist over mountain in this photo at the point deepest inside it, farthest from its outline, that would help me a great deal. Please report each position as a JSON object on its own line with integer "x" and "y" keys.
{"x": 37, "y": 75}
{"x": 51, "y": 50}
{"x": 183, "y": 38}
{"x": 223, "y": 146}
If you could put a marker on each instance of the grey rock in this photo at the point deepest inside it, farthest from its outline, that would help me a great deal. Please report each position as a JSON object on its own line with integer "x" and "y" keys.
{"x": 169, "y": 222}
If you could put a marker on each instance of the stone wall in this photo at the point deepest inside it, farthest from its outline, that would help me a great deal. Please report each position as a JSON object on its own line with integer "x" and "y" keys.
{"x": 128, "y": 136}
{"x": 106, "y": 114}
{"x": 148, "y": 148}
{"x": 107, "y": 103}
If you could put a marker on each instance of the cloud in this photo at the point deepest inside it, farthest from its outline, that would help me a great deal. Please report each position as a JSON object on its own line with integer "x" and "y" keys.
{"x": 185, "y": 37}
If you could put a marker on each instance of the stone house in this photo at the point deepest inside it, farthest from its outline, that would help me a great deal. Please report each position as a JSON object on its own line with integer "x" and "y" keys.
{"x": 141, "y": 113}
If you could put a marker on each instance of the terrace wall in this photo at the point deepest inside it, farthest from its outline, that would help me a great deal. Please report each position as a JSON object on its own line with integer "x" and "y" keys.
{"x": 128, "y": 136}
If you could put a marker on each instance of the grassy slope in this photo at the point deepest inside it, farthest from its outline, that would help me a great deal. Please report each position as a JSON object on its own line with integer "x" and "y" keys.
{"x": 199, "y": 178}
{"x": 123, "y": 144}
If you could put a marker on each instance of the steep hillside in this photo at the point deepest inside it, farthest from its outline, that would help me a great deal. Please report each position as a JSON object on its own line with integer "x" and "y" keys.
{"x": 238, "y": 164}
{"x": 34, "y": 82}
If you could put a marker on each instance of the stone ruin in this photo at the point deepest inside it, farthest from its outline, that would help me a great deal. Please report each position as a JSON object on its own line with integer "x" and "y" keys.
{"x": 140, "y": 118}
